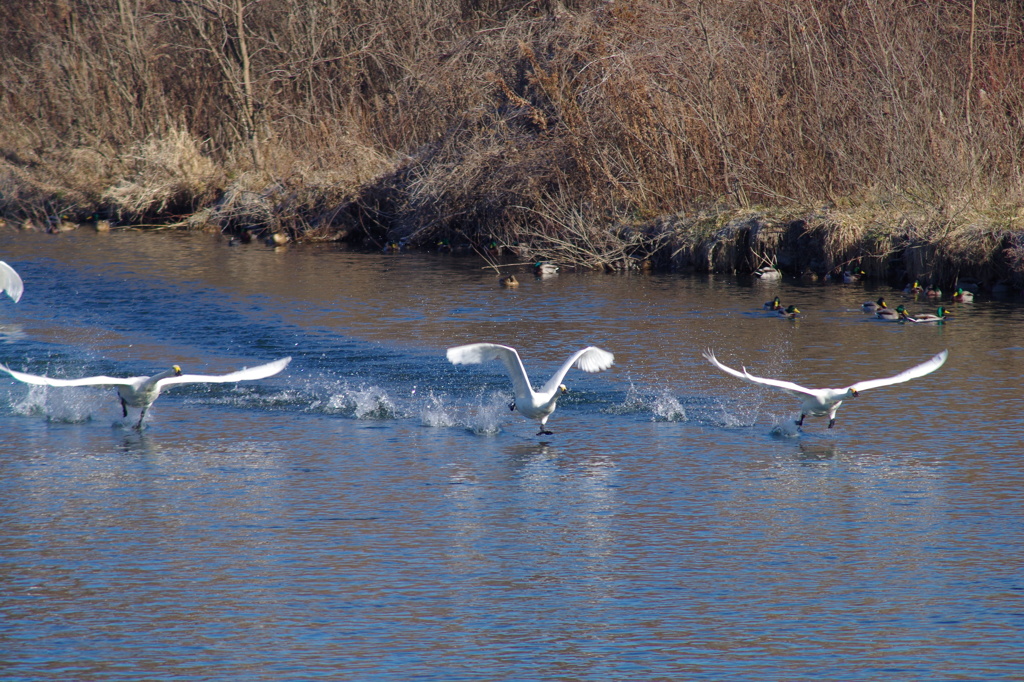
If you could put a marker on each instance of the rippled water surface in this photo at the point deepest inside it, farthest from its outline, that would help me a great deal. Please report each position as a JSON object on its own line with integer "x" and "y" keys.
{"x": 375, "y": 512}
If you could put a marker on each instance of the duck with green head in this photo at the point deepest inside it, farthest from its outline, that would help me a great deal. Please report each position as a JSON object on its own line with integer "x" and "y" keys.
{"x": 774, "y": 304}
{"x": 961, "y": 296}
{"x": 890, "y": 315}
{"x": 792, "y": 312}
{"x": 874, "y": 306}
{"x": 939, "y": 317}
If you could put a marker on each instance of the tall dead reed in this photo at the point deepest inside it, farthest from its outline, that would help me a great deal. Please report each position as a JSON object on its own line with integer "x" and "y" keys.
{"x": 561, "y": 128}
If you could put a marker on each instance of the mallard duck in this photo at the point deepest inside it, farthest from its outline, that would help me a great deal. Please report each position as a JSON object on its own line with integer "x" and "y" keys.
{"x": 508, "y": 281}
{"x": 939, "y": 316}
{"x": 768, "y": 274}
{"x": 851, "y": 276}
{"x": 818, "y": 402}
{"x": 891, "y": 315}
{"x": 10, "y": 281}
{"x": 914, "y": 288}
{"x": 874, "y": 306}
{"x": 791, "y": 312}
{"x": 142, "y": 391}
{"x": 774, "y": 304}
{"x": 932, "y": 292}
{"x": 544, "y": 269}
{"x": 962, "y": 296}
{"x": 532, "y": 404}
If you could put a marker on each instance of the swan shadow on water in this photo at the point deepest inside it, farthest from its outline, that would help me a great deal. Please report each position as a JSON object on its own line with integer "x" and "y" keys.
{"x": 817, "y": 451}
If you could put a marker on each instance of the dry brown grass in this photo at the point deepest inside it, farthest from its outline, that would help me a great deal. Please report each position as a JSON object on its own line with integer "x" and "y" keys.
{"x": 544, "y": 126}
{"x": 168, "y": 174}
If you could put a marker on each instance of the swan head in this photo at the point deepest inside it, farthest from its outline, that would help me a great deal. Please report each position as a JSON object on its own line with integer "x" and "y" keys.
{"x": 852, "y": 393}
{"x": 177, "y": 370}
{"x": 563, "y": 388}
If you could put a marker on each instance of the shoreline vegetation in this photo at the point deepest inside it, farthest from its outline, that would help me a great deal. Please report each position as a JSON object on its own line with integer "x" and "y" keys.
{"x": 817, "y": 136}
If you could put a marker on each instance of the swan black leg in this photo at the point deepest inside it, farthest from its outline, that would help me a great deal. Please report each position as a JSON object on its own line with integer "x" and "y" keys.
{"x": 831, "y": 422}
{"x": 800, "y": 421}
{"x": 124, "y": 408}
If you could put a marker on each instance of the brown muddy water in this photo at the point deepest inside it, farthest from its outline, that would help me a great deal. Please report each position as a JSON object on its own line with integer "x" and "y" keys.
{"x": 376, "y": 513}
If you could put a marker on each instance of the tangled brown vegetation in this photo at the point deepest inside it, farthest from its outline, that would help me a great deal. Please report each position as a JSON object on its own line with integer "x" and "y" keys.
{"x": 717, "y": 135}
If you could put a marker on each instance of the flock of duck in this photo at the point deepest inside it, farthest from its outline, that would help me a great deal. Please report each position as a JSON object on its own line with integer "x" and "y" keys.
{"x": 140, "y": 392}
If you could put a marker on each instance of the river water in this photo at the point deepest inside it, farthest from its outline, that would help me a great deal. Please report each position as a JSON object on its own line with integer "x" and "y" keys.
{"x": 376, "y": 513}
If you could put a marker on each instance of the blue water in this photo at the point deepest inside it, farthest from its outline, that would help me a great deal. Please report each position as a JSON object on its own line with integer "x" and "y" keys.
{"x": 376, "y": 513}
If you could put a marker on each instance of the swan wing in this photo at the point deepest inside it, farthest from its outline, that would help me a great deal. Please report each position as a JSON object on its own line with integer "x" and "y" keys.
{"x": 788, "y": 386}
{"x": 10, "y": 281}
{"x": 590, "y": 359}
{"x": 247, "y": 374}
{"x": 924, "y": 368}
{"x": 476, "y": 353}
{"x": 85, "y": 381}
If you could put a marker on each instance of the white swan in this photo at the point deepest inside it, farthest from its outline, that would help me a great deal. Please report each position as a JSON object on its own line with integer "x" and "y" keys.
{"x": 142, "y": 391}
{"x": 532, "y": 404}
{"x": 10, "y": 282}
{"x": 818, "y": 402}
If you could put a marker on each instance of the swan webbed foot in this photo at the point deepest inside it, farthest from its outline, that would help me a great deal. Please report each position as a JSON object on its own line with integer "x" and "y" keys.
{"x": 512, "y": 406}
{"x": 831, "y": 423}
{"x": 545, "y": 432}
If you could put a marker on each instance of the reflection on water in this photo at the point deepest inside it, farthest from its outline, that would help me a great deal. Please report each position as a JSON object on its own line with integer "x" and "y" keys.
{"x": 376, "y": 513}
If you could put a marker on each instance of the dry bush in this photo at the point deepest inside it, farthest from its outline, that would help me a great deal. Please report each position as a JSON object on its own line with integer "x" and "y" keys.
{"x": 537, "y": 123}
{"x": 170, "y": 174}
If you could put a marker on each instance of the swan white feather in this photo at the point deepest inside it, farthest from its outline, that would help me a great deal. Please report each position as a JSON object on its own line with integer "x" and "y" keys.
{"x": 532, "y": 404}
{"x": 818, "y": 402}
{"x": 10, "y": 281}
{"x": 142, "y": 391}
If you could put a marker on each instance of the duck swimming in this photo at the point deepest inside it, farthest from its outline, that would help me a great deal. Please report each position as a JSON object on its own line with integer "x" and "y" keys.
{"x": 774, "y": 304}
{"x": 545, "y": 269}
{"x": 961, "y": 296}
{"x": 874, "y": 306}
{"x": 792, "y": 312}
{"x": 891, "y": 315}
{"x": 939, "y": 317}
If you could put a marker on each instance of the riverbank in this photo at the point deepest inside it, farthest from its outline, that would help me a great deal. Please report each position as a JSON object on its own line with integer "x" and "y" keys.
{"x": 706, "y": 136}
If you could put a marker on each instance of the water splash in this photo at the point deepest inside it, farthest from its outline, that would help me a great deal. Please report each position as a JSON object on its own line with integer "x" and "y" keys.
{"x": 68, "y": 406}
{"x": 662, "y": 404}
{"x": 785, "y": 429}
{"x": 667, "y": 408}
{"x": 370, "y": 402}
{"x": 435, "y": 413}
{"x": 489, "y": 413}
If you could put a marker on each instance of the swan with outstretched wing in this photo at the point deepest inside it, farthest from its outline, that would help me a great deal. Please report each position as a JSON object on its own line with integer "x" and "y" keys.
{"x": 142, "y": 391}
{"x": 532, "y": 404}
{"x": 818, "y": 402}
